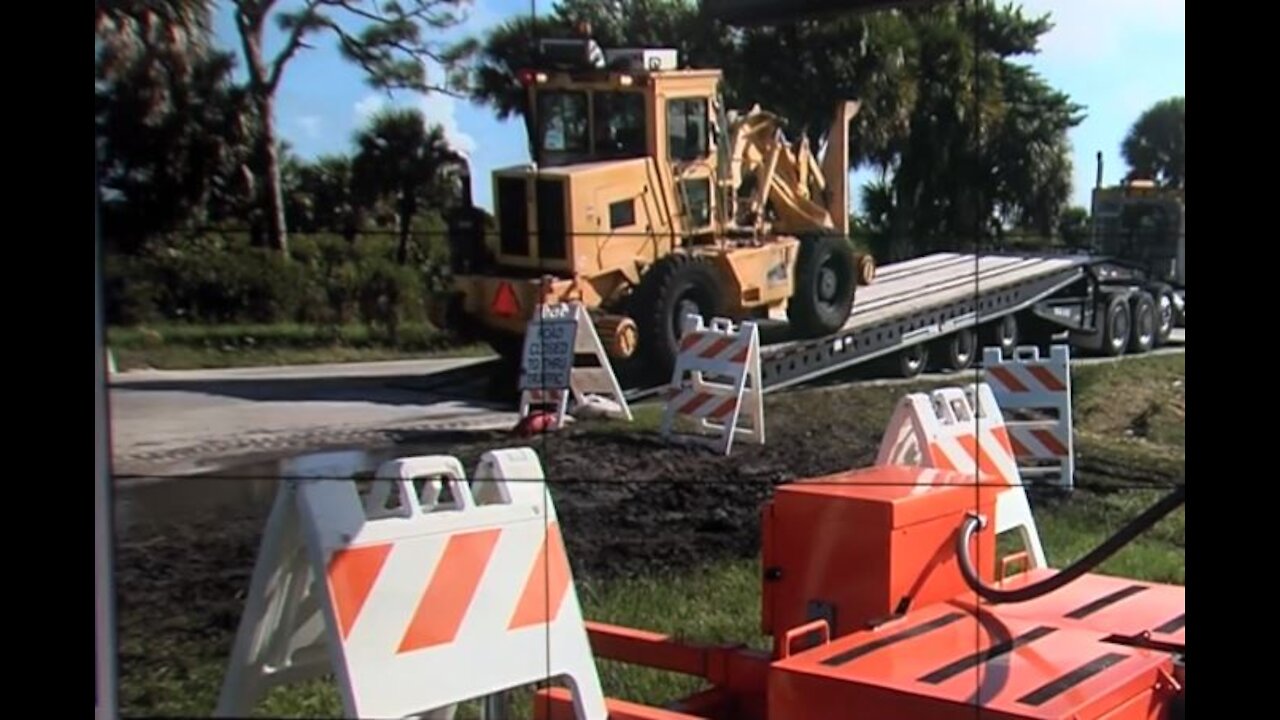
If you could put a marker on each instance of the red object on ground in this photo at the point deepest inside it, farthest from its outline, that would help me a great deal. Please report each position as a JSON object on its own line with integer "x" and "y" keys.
{"x": 535, "y": 423}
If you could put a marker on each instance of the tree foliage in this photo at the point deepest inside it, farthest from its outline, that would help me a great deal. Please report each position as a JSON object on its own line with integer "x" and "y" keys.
{"x": 1155, "y": 147}
{"x": 400, "y": 158}
{"x": 170, "y": 126}
{"x": 392, "y": 46}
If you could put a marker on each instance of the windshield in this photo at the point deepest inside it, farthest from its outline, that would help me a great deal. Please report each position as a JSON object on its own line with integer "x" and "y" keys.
{"x": 562, "y": 118}
{"x": 1140, "y": 232}
{"x": 565, "y": 136}
{"x": 620, "y": 126}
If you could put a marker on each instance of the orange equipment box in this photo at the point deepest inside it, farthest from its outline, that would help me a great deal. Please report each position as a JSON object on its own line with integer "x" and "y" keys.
{"x": 1105, "y": 604}
{"x": 857, "y": 547}
{"x": 945, "y": 662}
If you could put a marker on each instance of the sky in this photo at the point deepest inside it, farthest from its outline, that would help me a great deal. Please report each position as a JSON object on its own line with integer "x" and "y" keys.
{"x": 1115, "y": 57}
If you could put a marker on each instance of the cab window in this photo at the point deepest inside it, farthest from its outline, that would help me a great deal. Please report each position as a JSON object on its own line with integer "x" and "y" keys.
{"x": 687, "y": 128}
{"x": 619, "y": 124}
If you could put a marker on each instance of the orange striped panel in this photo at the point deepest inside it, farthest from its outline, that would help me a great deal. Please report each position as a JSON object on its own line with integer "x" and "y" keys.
{"x": 448, "y": 595}
{"x": 1047, "y": 378}
{"x": 1007, "y": 379}
{"x": 697, "y": 402}
{"x": 1048, "y": 439}
{"x": 1002, "y": 438}
{"x": 351, "y": 575}
{"x": 724, "y": 408}
{"x": 548, "y": 581}
{"x": 985, "y": 463}
{"x": 716, "y": 348}
{"x": 689, "y": 341}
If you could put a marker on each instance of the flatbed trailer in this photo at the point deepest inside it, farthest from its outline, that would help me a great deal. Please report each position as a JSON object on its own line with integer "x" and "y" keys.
{"x": 931, "y": 304}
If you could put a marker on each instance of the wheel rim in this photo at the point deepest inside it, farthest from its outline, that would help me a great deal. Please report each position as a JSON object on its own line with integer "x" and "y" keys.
{"x": 913, "y": 359}
{"x": 1120, "y": 329}
{"x": 1008, "y": 334}
{"x": 1146, "y": 329}
{"x": 1166, "y": 313}
{"x": 828, "y": 285}
{"x": 962, "y": 349}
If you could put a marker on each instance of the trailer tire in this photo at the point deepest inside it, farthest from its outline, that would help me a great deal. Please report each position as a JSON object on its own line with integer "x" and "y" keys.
{"x": 1116, "y": 323}
{"x": 825, "y": 283}
{"x": 674, "y": 286}
{"x": 1166, "y": 312}
{"x": 1002, "y": 333}
{"x": 913, "y": 360}
{"x": 1142, "y": 310}
{"x": 957, "y": 352}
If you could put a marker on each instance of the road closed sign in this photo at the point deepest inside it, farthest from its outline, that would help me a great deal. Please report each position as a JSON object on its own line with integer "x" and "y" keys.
{"x": 548, "y": 349}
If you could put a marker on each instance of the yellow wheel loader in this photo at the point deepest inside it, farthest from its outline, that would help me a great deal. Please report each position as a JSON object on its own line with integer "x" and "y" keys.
{"x": 648, "y": 200}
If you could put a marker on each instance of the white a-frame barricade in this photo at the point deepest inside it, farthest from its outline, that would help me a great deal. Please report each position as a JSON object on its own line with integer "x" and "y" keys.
{"x": 962, "y": 430}
{"x": 415, "y": 600}
{"x": 1035, "y": 395}
{"x": 717, "y": 383}
{"x": 549, "y": 375}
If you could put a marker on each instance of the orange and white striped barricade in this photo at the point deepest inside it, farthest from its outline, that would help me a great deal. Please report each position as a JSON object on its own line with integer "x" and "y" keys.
{"x": 1034, "y": 394}
{"x": 961, "y": 429}
{"x": 550, "y": 376}
{"x": 415, "y": 600}
{"x": 717, "y": 383}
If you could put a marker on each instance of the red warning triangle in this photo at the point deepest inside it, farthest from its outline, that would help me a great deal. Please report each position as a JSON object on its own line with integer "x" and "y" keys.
{"x": 505, "y": 303}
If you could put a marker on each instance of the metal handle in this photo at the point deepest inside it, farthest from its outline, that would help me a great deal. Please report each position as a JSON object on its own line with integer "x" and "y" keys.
{"x": 790, "y": 636}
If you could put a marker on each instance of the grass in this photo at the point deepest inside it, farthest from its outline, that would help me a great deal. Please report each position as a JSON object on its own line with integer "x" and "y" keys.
{"x": 183, "y": 347}
{"x": 1130, "y": 440}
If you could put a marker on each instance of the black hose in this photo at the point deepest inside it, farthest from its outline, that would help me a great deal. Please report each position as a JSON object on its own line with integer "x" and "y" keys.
{"x": 1136, "y": 527}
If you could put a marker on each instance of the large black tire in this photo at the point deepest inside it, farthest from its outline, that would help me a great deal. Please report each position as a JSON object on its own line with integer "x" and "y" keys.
{"x": 675, "y": 286}
{"x": 1166, "y": 314}
{"x": 1117, "y": 319}
{"x": 826, "y": 281}
{"x": 1142, "y": 315}
{"x": 957, "y": 351}
{"x": 913, "y": 360}
{"x": 1002, "y": 333}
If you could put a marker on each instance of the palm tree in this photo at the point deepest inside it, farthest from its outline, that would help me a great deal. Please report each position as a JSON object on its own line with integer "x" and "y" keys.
{"x": 399, "y": 157}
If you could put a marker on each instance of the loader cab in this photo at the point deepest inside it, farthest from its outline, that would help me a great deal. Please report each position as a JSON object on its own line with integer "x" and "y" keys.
{"x": 1143, "y": 224}
{"x": 587, "y": 106}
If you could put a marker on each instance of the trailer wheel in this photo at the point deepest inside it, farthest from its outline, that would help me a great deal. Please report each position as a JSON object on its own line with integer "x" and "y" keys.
{"x": 958, "y": 350}
{"x": 913, "y": 360}
{"x": 675, "y": 286}
{"x": 1115, "y": 329}
{"x": 1143, "y": 312}
{"x": 1165, "y": 313}
{"x": 825, "y": 283}
{"x": 1002, "y": 333}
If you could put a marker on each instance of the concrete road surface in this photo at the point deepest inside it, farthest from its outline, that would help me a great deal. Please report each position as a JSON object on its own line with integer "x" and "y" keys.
{"x": 175, "y": 422}
{"x": 171, "y": 422}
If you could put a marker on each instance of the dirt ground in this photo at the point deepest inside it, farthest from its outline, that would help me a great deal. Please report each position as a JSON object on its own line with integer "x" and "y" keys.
{"x": 631, "y": 504}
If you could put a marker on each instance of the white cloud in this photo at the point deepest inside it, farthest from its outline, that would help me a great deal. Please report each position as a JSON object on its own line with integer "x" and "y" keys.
{"x": 441, "y": 110}
{"x": 310, "y": 125}
{"x": 438, "y": 108}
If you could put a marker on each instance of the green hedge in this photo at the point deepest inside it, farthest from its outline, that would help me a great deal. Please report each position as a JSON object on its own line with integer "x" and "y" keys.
{"x": 326, "y": 281}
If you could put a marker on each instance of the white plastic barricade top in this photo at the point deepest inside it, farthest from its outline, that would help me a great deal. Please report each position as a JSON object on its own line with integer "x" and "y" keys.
{"x": 414, "y": 600}
{"x": 717, "y": 383}
{"x": 961, "y": 429}
{"x": 1034, "y": 394}
{"x": 549, "y": 374}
